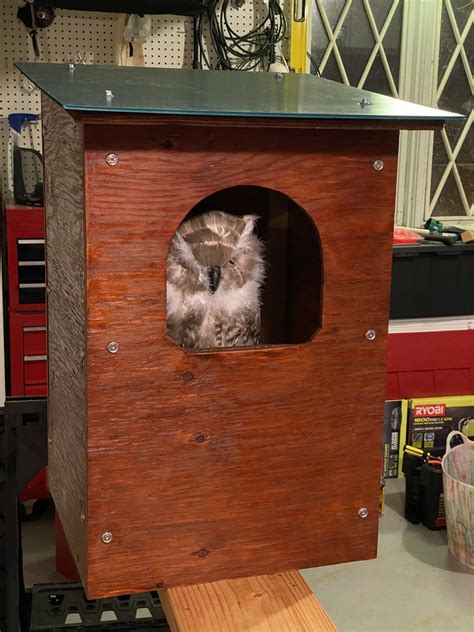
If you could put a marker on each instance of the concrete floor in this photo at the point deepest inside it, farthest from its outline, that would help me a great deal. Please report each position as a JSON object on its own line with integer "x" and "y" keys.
{"x": 414, "y": 584}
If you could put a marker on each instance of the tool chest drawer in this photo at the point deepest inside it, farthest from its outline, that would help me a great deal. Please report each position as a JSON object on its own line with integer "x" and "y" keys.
{"x": 34, "y": 370}
{"x": 28, "y": 353}
{"x": 34, "y": 341}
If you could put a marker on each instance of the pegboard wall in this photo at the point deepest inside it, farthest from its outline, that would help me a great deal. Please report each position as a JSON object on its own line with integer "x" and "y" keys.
{"x": 77, "y": 36}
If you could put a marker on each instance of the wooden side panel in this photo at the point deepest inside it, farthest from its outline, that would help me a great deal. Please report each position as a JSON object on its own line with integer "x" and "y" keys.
{"x": 208, "y": 466}
{"x": 266, "y": 603}
{"x": 305, "y": 270}
{"x": 67, "y": 423}
{"x": 275, "y": 238}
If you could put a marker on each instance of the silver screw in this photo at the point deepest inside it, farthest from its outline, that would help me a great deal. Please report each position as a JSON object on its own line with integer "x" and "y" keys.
{"x": 370, "y": 335}
{"x": 106, "y": 537}
{"x": 378, "y": 165}
{"x": 83, "y": 516}
{"x": 72, "y": 68}
{"x": 112, "y": 160}
{"x": 113, "y": 347}
{"x": 109, "y": 94}
{"x": 278, "y": 75}
{"x": 363, "y": 512}
{"x": 364, "y": 102}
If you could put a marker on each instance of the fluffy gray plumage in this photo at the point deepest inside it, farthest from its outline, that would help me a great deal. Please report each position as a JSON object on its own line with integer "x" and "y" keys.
{"x": 215, "y": 274}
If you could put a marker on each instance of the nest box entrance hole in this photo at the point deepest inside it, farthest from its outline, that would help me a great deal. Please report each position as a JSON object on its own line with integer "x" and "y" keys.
{"x": 291, "y": 291}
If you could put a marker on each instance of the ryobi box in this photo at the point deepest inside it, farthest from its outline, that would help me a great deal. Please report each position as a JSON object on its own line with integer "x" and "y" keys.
{"x": 394, "y": 437}
{"x": 430, "y": 420}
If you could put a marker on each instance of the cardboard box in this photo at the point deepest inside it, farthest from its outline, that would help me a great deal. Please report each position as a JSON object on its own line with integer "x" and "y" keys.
{"x": 431, "y": 419}
{"x": 394, "y": 437}
{"x": 467, "y": 236}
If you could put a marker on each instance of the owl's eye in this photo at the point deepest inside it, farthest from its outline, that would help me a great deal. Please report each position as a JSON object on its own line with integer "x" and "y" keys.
{"x": 232, "y": 262}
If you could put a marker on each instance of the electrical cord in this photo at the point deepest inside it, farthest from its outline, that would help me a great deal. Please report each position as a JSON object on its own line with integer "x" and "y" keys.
{"x": 249, "y": 51}
{"x": 314, "y": 64}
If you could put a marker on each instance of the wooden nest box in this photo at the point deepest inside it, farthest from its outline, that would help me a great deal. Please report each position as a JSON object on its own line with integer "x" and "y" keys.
{"x": 170, "y": 466}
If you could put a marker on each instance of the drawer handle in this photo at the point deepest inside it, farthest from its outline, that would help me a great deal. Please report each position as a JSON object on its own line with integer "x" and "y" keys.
{"x": 34, "y": 328}
{"x": 31, "y": 242}
{"x": 30, "y": 263}
{"x": 26, "y": 286}
{"x": 38, "y": 358}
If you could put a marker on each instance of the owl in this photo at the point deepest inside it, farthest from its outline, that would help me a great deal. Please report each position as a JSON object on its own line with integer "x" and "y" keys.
{"x": 214, "y": 282}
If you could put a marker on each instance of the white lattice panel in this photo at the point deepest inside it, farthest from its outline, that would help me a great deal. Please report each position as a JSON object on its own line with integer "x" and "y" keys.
{"x": 74, "y": 34}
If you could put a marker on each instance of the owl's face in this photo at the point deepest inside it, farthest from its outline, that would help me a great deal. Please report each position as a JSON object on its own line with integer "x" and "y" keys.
{"x": 214, "y": 253}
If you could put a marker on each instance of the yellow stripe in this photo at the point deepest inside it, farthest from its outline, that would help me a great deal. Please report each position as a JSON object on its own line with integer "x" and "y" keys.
{"x": 298, "y": 40}
{"x": 412, "y": 450}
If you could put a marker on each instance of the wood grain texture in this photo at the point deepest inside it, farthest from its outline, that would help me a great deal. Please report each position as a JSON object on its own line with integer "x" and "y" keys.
{"x": 208, "y": 466}
{"x": 115, "y": 118}
{"x": 266, "y": 603}
{"x": 66, "y": 309}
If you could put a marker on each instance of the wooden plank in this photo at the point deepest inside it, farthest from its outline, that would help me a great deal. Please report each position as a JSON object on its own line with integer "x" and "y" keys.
{"x": 67, "y": 423}
{"x": 115, "y": 118}
{"x": 216, "y": 465}
{"x": 265, "y": 603}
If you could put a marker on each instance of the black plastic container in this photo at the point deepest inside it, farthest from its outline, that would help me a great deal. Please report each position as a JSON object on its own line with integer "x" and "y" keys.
{"x": 424, "y": 498}
{"x": 433, "y": 513}
{"x": 430, "y": 280}
{"x": 64, "y": 607}
{"x": 412, "y": 468}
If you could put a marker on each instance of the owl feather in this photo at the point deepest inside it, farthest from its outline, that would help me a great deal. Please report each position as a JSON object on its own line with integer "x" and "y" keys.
{"x": 215, "y": 276}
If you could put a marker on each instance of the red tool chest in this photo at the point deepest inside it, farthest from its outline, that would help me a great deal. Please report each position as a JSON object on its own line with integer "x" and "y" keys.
{"x": 27, "y": 330}
{"x": 431, "y": 357}
{"x": 27, "y": 312}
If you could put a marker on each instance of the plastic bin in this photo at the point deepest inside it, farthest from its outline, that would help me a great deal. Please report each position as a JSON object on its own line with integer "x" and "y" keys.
{"x": 63, "y": 607}
{"x": 458, "y": 481}
{"x": 430, "y": 280}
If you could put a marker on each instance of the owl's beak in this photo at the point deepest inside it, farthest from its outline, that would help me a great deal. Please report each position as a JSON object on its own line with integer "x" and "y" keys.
{"x": 214, "y": 274}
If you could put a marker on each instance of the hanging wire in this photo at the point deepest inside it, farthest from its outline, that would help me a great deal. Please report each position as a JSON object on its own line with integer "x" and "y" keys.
{"x": 314, "y": 64}
{"x": 249, "y": 51}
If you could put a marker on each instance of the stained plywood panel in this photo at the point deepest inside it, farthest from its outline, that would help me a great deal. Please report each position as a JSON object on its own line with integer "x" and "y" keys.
{"x": 218, "y": 465}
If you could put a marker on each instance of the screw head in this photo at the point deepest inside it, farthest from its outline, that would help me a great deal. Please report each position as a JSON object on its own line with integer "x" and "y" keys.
{"x": 106, "y": 537}
{"x": 83, "y": 516}
{"x": 112, "y": 160}
{"x": 363, "y": 512}
{"x": 378, "y": 165}
{"x": 364, "y": 102}
{"x": 278, "y": 75}
{"x": 370, "y": 335}
{"x": 113, "y": 347}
